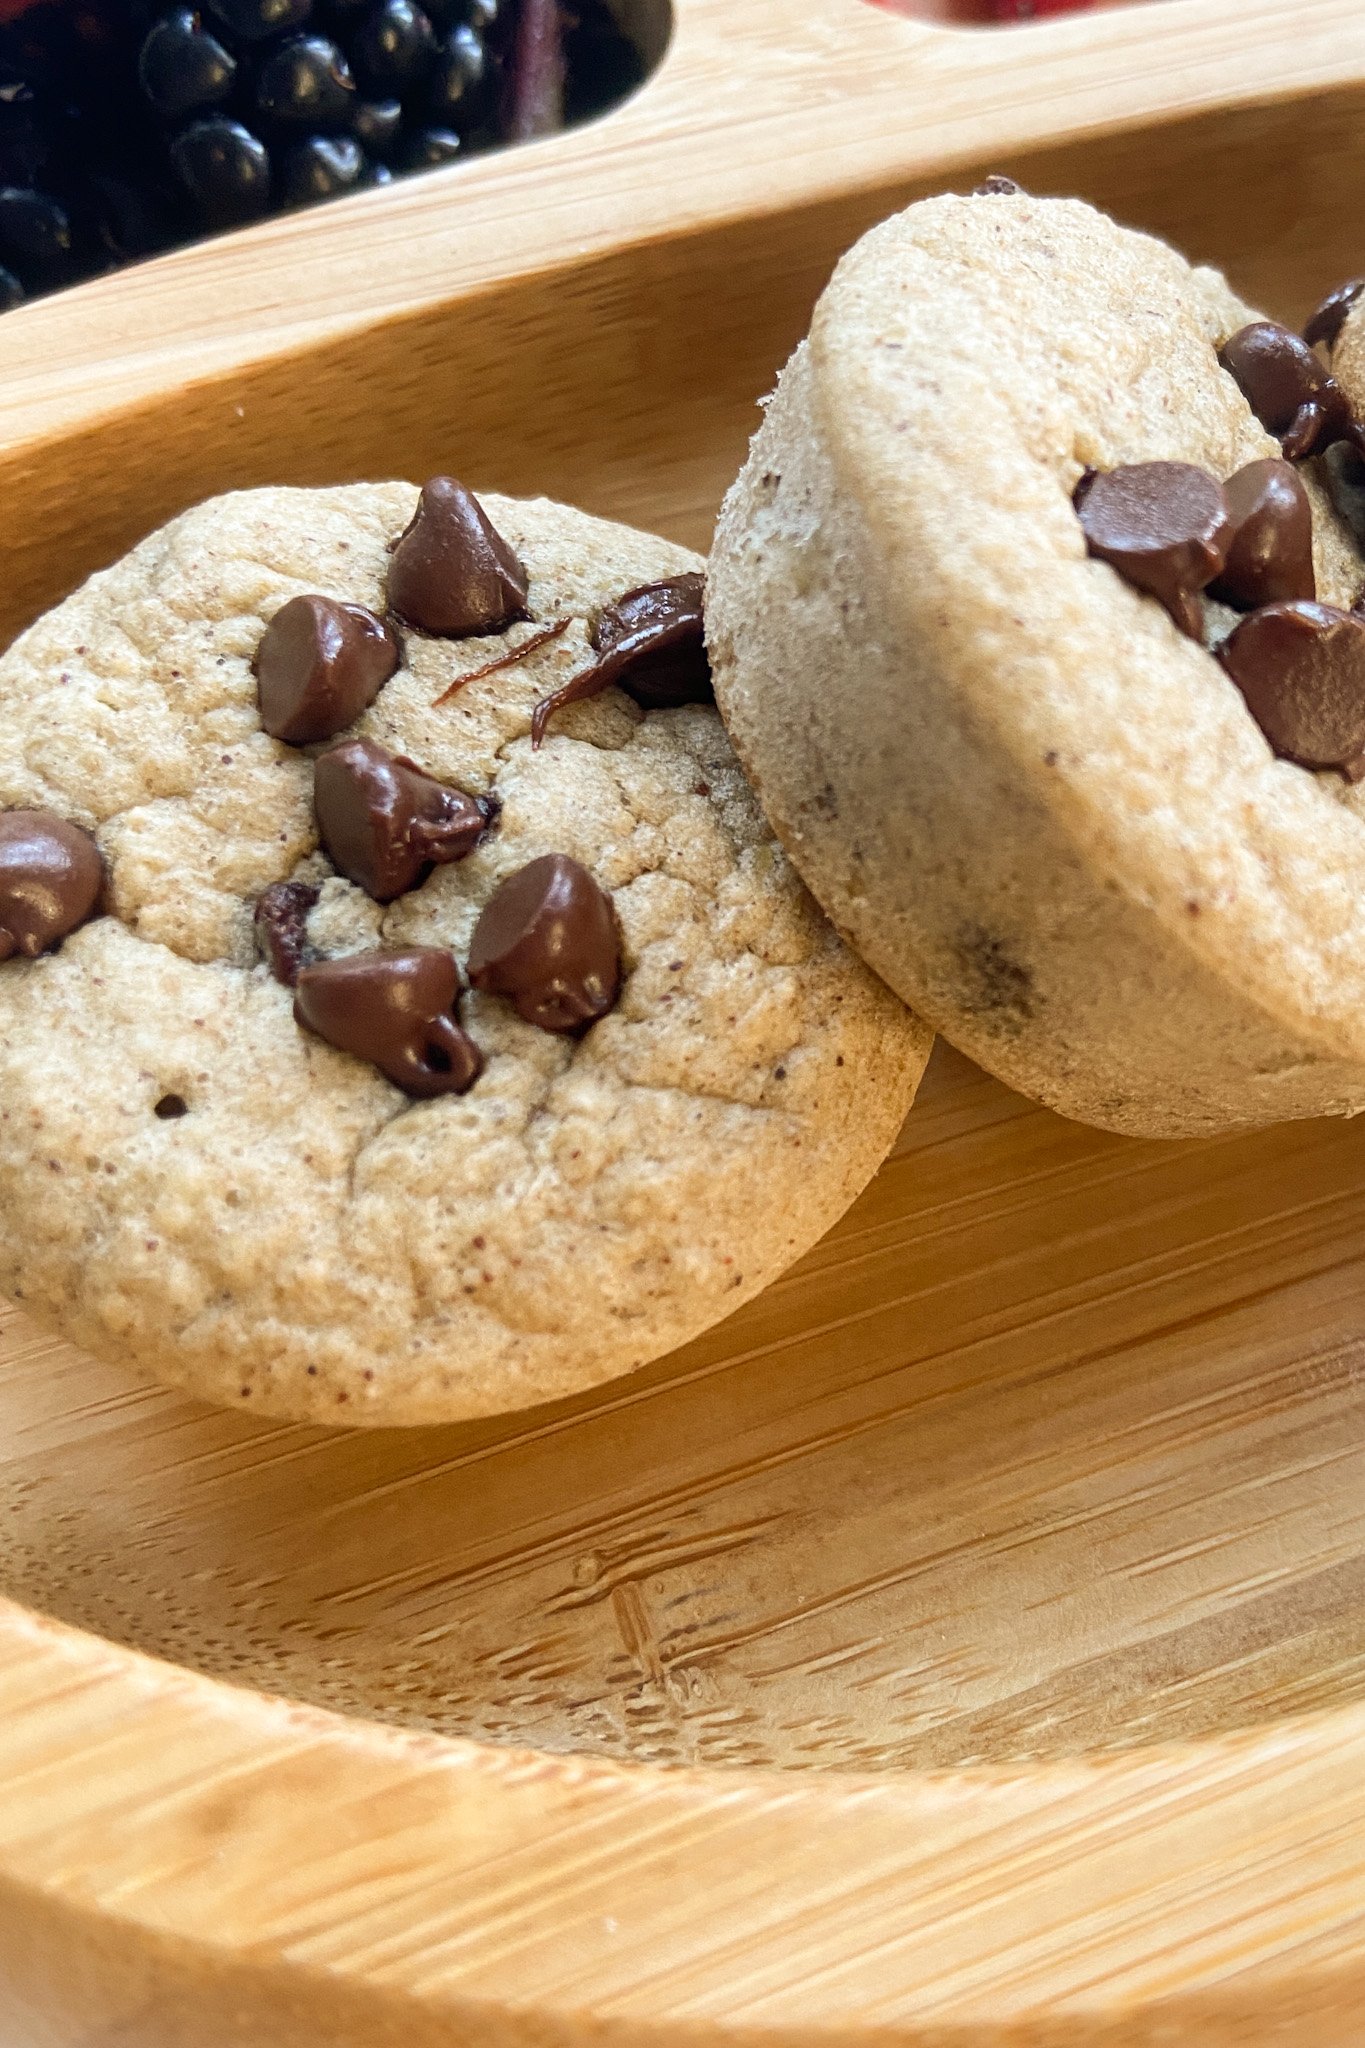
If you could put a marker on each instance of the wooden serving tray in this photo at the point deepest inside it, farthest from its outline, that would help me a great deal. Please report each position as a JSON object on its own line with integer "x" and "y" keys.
{"x": 965, "y": 1645}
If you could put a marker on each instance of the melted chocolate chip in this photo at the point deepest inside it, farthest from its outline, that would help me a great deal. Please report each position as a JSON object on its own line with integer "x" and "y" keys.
{"x": 523, "y": 649}
{"x": 547, "y": 940}
{"x": 1270, "y": 560}
{"x": 649, "y": 643}
{"x": 452, "y": 573}
{"x": 384, "y": 823}
{"x": 996, "y": 186}
{"x": 1164, "y": 526}
{"x": 1325, "y": 325}
{"x": 281, "y": 927}
{"x": 653, "y": 642}
{"x": 320, "y": 662}
{"x": 1288, "y": 390}
{"x": 1301, "y": 669}
{"x": 51, "y": 875}
{"x": 396, "y": 1010}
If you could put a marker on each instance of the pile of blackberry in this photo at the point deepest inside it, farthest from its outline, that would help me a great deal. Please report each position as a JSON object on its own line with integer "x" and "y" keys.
{"x": 131, "y": 126}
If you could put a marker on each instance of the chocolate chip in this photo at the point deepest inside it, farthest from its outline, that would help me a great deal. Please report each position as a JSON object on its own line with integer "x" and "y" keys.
{"x": 653, "y": 641}
{"x": 1326, "y": 323}
{"x": 385, "y": 823}
{"x": 1301, "y": 668}
{"x": 1270, "y": 560}
{"x": 547, "y": 940}
{"x": 396, "y": 1010}
{"x": 996, "y": 186}
{"x": 51, "y": 875}
{"x": 281, "y": 922}
{"x": 649, "y": 643}
{"x": 320, "y": 662}
{"x": 452, "y": 573}
{"x": 1164, "y": 526}
{"x": 1287, "y": 388}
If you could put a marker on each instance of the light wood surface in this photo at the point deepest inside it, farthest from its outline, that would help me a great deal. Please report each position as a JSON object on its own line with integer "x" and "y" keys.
{"x": 962, "y": 1647}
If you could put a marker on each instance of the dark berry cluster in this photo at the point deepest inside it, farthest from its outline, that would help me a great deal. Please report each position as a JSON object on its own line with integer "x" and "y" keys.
{"x": 130, "y": 126}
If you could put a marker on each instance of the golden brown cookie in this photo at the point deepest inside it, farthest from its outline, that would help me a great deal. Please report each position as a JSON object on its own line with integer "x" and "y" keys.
{"x": 1039, "y": 809}
{"x": 196, "y": 1183}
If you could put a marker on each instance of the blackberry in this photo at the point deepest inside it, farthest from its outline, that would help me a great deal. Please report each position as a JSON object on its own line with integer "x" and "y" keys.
{"x": 36, "y": 231}
{"x": 423, "y": 149}
{"x": 183, "y": 67}
{"x": 485, "y": 17}
{"x": 461, "y": 78}
{"x": 131, "y": 126}
{"x": 321, "y": 168}
{"x": 377, "y": 125}
{"x": 307, "y": 82}
{"x": 225, "y": 169}
{"x": 394, "y": 46}
{"x": 255, "y": 20}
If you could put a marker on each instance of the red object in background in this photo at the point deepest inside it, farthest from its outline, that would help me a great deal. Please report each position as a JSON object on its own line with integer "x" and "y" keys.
{"x": 1032, "y": 10}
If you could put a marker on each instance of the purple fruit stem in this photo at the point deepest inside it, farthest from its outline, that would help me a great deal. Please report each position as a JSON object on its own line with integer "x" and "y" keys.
{"x": 535, "y": 97}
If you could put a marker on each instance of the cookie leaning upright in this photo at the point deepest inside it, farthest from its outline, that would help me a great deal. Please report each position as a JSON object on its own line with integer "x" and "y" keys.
{"x": 1041, "y": 810}
{"x": 259, "y": 1135}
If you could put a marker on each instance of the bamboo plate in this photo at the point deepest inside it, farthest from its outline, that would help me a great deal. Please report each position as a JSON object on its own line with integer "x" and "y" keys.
{"x": 965, "y": 1645}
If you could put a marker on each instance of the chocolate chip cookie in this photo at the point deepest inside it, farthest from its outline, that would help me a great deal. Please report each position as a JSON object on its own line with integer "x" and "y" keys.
{"x": 1031, "y": 617}
{"x": 366, "y": 1056}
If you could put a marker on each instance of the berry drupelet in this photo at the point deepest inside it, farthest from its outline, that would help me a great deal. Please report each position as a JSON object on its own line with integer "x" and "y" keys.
{"x": 130, "y": 126}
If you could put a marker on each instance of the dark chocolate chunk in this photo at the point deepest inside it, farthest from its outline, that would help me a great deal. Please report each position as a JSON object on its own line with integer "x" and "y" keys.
{"x": 547, "y": 940}
{"x": 1164, "y": 526}
{"x": 996, "y": 186}
{"x": 319, "y": 664}
{"x": 281, "y": 921}
{"x": 649, "y": 643}
{"x": 1327, "y": 321}
{"x": 1270, "y": 560}
{"x": 396, "y": 1010}
{"x": 452, "y": 573}
{"x": 1288, "y": 390}
{"x": 1301, "y": 668}
{"x": 51, "y": 875}
{"x": 385, "y": 824}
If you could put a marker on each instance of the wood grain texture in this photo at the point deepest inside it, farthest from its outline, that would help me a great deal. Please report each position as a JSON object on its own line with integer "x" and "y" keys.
{"x": 595, "y": 315}
{"x": 1038, "y": 1371}
{"x": 963, "y": 1646}
{"x": 1046, "y": 1462}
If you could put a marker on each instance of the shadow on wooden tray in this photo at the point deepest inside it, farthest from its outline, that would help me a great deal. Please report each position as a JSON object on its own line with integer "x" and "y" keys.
{"x": 1056, "y": 1442}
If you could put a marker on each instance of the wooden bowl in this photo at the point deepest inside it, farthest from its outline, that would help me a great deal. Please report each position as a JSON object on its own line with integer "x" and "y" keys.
{"x": 965, "y": 1645}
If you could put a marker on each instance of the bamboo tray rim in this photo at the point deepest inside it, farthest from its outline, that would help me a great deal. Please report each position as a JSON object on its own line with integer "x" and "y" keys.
{"x": 1193, "y": 1793}
{"x": 238, "y": 296}
{"x": 280, "y": 1789}
{"x": 162, "y": 1680}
